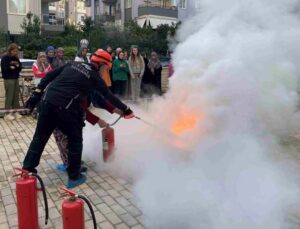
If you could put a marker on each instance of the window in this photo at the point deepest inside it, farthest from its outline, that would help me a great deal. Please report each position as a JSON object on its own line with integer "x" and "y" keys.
{"x": 197, "y": 4}
{"x": 17, "y": 6}
{"x": 183, "y": 4}
{"x": 128, "y": 4}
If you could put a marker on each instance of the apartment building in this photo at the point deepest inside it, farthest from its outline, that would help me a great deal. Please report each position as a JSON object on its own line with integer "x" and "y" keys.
{"x": 154, "y": 12}
{"x": 12, "y": 13}
{"x": 187, "y": 8}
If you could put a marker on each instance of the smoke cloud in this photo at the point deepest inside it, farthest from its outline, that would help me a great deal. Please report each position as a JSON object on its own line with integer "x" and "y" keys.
{"x": 209, "y": 154}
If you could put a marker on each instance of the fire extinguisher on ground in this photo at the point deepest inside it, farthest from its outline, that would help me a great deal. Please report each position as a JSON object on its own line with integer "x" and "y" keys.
{"x": 73, "y": 210}
{"x": 26, "y": 191}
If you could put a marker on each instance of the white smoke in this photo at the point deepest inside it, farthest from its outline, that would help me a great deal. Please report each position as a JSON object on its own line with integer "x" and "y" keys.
{"x": 236, "y": 73}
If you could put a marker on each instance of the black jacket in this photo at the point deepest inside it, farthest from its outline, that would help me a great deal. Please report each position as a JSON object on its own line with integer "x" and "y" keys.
{"x": 10, "y": 67}
{"x": 66, "y": 86}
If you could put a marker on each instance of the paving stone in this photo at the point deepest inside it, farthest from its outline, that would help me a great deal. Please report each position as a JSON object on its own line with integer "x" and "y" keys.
{"x": 5, "y": 192}
{"x": 118, "y": 209}
{"x": 99, "y": 217}
{"x": 3, "y": 219}
{"x": 101, "y": 192}
{"x": 113, "y": 193}
{"x": 122, "y": 226}
{"x": 13, "y": 220}
{"x": 133, "y": 210}
{"x": 8, "y": 199}
{"x": 113, "y": 218}
{"x": 106, "y": 225}
{"x": 129, "y": 220}
{"x": 4, "y": 226}
{"x": 10, "y": 209}
{"x": 54, "y": 213}
{"x": 103, "y": 208}
{"x": 126, "y": 194}
{"x": 122, "y": 201}
{"x": 139, "y": 226}
{"x": 108, "y": 200}
{"x": 95, "y": 199}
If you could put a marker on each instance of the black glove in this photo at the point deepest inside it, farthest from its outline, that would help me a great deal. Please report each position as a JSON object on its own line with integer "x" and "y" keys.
{"x": 33, "y": 100}
{"x": 128, "y": 113}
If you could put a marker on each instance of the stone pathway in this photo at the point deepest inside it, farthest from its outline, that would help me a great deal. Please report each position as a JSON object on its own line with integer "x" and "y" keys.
{"x": 110, "y": 196}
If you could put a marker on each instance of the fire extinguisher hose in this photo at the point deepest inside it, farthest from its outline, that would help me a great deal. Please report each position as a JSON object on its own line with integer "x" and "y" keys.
{"x": 91, "y": 209}
{"x": 44, "y": 195}
{"x": 117, "y": 120}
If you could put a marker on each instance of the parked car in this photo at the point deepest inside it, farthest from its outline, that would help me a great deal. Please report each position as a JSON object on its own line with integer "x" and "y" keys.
{"x": 26, "y": 63}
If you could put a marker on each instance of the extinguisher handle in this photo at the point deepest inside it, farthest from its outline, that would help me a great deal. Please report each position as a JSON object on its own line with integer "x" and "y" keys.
{"x": 67, "y": 192}
{"x": 23, "y": 172}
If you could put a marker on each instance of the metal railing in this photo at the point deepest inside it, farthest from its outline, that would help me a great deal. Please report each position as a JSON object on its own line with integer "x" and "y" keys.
{"x": 154, "y": 9}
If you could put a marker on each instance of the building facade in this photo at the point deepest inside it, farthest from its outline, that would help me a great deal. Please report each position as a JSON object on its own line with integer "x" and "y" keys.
{"x": 187, "y": 8}
{"x": 12, "y": 13}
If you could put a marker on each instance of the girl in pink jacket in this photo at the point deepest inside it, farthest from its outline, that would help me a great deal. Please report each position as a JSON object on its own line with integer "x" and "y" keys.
{"x": 40, "y": 68}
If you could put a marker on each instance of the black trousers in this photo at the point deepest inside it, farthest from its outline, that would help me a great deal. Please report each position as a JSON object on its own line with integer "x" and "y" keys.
{"x": 70, "y": 122}
{"x": 120, "y": 87}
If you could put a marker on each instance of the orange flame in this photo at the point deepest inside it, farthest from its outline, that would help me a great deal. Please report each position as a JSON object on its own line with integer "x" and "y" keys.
{"x": 183, "y": 123}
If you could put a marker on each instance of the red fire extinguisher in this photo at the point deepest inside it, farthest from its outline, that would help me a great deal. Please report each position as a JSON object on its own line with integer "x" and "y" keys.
{"x": 73, "y": 210}
{"x": 26, "y": 190}
{"x": 108, "y": 143}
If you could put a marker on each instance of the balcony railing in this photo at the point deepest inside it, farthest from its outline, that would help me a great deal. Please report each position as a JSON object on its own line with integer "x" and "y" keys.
{"x": 107, "y": 18}
{"x": 110, "y": 2}
{"x": 52, "y": 23}
{"x": 153, "y": 9}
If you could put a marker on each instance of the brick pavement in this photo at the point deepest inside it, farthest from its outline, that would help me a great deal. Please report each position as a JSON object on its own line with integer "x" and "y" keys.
{"x": 111, "y": 196}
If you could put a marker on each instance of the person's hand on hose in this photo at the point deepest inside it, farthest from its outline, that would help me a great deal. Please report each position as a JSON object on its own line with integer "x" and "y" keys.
{"x": 118, "y": 111}
{"x": 34, "y": 99}
{"x": 128, "y": 113}
{"x": 102, "y": 123}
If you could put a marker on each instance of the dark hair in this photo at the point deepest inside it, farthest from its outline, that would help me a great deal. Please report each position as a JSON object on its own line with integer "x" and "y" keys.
{"x": 119, "y": 54}
{"x": 11, "y": 47}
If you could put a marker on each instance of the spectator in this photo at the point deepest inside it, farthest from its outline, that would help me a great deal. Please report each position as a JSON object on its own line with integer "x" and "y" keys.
{"x": 59, "y": 59}
{"x": 120, "y": 75}
{"x": 152, "y": 78}
{"x": 109, "y": 49}
{"x": 40, "y": 68}
{"x": 11, "y": 68}
{"x": 136, "y": 68}
{"x": 81, "y": 55}
{"x": 125, "y": 55}
{"x": 118, "y": 50}
{"x": 50, "y": 55}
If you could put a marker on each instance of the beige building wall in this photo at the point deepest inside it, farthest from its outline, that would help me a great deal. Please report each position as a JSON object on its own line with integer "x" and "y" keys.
{"x": 17, "y": 10}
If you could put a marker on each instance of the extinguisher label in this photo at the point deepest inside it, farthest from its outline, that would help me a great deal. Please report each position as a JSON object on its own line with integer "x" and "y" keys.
{"x": 105, "y": 144}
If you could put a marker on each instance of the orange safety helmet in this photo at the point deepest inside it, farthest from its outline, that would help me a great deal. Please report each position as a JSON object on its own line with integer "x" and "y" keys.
{"x": 101, "y": 56}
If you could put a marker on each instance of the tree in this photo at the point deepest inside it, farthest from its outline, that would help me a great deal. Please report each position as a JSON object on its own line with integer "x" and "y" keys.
{"x": 31, "y": 24}
{"x": 87, "y": 26}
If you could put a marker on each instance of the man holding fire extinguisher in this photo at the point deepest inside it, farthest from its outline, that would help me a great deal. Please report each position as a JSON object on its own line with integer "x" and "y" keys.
{"x": 61, "y": 92}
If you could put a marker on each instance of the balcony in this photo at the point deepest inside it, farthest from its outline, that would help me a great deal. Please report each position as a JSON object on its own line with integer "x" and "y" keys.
{"x": 107, "y": 18}
{"x": 110, "y": 2}
{"x": 157, "y": 10}
{"x": 48, "y": 1}
{"x": 51, "y": 23}
{"x": 118, "y": 15}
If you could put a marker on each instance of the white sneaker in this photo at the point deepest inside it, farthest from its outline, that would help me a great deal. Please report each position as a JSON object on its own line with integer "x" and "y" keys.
{"x": 9, "y": 117}
{"x": 18, "y": 115}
